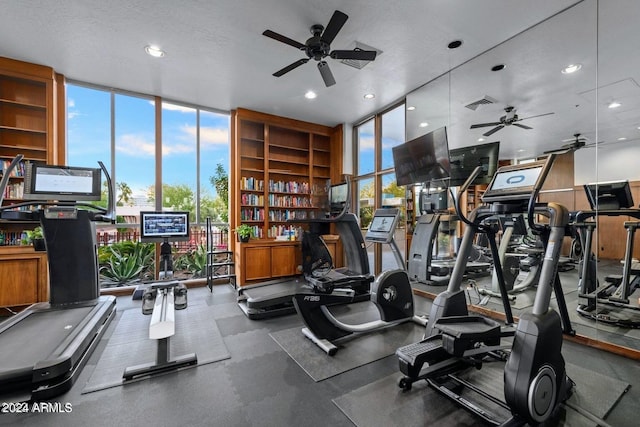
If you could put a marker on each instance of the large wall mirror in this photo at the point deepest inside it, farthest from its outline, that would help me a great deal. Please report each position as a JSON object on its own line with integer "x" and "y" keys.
{"x": 522, "y": 94}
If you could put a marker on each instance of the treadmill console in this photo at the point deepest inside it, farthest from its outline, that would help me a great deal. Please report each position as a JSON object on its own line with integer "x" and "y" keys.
{"x": 383, "y": 225}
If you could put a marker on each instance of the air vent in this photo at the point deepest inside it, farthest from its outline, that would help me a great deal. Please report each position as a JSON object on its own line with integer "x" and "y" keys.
{"x": 482, "y": 101}
{"x": 354, "y": 62}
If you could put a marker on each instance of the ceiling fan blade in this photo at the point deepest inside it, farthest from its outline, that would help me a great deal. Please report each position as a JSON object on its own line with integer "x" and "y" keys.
{"x": 531, "y": 117}
{"x": 283, "y": 39}
{"x": 492, "y": 131}
{"x": 335, "y": 24}
{"x": 326, "y": 74}
{"x": 290, "y": 67}
{"x": 359, "y": 54}
{"x": 522, "y": 126}
{"x": 484, "y": 125}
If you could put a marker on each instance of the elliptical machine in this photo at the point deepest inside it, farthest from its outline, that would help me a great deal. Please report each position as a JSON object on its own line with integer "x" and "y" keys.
{"x": 391, "y": 293}
{"x": 535, "y": 381}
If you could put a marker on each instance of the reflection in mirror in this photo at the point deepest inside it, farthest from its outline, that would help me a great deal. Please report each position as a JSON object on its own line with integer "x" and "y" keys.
{"x": 537, "y": 104}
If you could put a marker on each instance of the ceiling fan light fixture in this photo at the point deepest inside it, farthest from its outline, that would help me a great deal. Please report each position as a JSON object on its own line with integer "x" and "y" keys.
{"x": 614, "y": 104}
{"x": 310, "y": 94}
{"x": 154, "y": 51}
{"x": 369, "y": 95}
{"x": 571, "y": 68}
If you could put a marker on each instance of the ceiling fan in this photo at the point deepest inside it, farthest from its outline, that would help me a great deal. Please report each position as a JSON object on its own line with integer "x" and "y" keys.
{"x": 572, "y": 144}
{"x": 318, "y": 47}
{"x": 510, "y": 118}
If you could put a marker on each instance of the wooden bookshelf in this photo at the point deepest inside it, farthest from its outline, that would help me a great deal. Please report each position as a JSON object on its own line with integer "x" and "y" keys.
{"x": 30, "y": 97}
{"x": 281, "y": 169}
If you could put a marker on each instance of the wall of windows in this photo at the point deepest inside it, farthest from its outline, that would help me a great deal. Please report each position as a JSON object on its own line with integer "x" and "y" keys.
{"x": 179, "y": 161}
{"x": 375, "y": 182}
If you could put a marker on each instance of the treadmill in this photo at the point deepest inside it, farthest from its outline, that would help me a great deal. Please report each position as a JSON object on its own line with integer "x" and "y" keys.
{"x": 275, "y": 297}
{"x": 44, "y": 348}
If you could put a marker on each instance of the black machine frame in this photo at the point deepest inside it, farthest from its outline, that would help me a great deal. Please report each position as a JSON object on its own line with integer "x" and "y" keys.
{"x": 75, "y": 318}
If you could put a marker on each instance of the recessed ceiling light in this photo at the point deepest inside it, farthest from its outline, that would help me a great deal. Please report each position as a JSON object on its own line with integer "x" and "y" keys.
{"x": 369, "y": 96}
{"x": 411, "y": 108}
{"x": 154, "y": 51}
{"x": 522, "y": 150}
{"x": 498, "y": 67}
{"x": 423, "y": 124}
{"x": 571, "y": 68}
{"x": 622, "y": 138}
{"x": 614, "y": 104}
{"x": 480, "y": 139}
{"x": 455, "y": 44}
{"x": 310, "y": 94}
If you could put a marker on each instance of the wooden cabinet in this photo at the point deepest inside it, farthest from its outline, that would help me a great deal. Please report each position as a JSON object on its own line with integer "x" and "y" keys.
{"x": 23, "y": 276}
{"x": 280, "y": 173}
{"x": 265, "y": 259}
{"x": 30, "y": 97}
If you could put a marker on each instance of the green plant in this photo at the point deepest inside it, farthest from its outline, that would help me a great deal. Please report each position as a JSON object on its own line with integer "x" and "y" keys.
{"x": 36, "y": 233}
{"x": 244, "y": 231}
{"x": 125, "y": 261}
{"x": 194, "y": 261}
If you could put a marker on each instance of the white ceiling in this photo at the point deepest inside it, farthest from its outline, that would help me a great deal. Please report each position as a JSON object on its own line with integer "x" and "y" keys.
{"x": 217, "y": 56}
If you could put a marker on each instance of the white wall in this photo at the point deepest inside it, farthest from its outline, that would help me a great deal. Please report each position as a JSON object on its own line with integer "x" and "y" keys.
{"x": 609, "y": 162}
{"x": 347, "y": 149}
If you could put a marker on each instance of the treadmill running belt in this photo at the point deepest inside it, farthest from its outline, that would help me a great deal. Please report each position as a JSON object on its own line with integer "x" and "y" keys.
{"x": 36, "y": 336}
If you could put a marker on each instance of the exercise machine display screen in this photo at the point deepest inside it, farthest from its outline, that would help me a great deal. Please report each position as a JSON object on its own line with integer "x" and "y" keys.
{"x": 514, "y": 182}
{"x": 609, "y": 195}
{"x": 383, "y": 225}
{"x": 158, "y": 226}
{"x": 66, "y": 183}
{"x": 338, "y": 197}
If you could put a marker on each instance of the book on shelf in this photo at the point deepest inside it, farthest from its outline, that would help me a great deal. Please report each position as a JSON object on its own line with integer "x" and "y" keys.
{"x": 252, "y": 184}
{"x": 289, "y": 186}
{"x": 17, "y": 172}
{"x": 287, "y": 201}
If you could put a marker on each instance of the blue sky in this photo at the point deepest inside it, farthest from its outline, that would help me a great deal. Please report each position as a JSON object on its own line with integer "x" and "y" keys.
{"x": 89, "y": 138}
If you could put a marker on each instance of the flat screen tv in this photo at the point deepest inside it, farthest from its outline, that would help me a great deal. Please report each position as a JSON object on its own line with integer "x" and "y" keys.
{"x": 423, "y": 159}
{"x": 158, "y": 226}
{"x": 62, "y": 183}
{"x": 609, "y": 195}
{"x": 464, "y": 160}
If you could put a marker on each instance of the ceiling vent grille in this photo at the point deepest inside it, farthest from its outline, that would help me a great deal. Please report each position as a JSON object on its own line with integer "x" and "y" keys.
{"x": 357, "y": 63}
{"x": 482, "y": 101}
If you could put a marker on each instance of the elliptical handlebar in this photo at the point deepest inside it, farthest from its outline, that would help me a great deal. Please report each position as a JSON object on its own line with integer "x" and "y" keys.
{"x": 533, "y": 226}
{"x": 462, "y": 189}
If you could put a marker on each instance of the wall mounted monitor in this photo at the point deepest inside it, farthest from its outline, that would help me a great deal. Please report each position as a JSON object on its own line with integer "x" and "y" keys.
{"x": 609, "y": 195}
{"x": 423, "y": 159}
{"x": 464, "y": 160}
{"x": 158, "y": 226}
{"x": 62, "y": 183}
